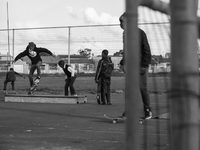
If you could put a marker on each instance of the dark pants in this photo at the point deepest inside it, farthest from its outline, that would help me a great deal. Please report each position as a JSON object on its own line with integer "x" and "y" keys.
{"x": 32, "y": 70}
{"x": 144, "y": 91}
{"x": 104, "y": 89}
{"x": 69, "y": 85}
{"x": 12, "y": 84}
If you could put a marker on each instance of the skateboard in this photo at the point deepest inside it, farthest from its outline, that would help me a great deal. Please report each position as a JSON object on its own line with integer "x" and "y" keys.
{"x": 33, "y": 88}
{"x": 115, "y": 119}
{"x": 142, "y": 119}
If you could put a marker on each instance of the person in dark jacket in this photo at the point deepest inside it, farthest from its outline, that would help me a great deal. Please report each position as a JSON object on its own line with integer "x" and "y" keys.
{"x": 103, "y": 79}
{"x": 145, "y": 60}
{"x": 33, "y": 53}
{"x": 10, "y": 77}
{"x": 69, "y": 78}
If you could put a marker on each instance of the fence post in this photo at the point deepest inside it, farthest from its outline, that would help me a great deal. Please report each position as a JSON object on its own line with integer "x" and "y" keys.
{"x": 132, "y": 93}
{"x": 184, "y": 94}
{"x": 13, "y": 42}
{"x": 69, "y": 40}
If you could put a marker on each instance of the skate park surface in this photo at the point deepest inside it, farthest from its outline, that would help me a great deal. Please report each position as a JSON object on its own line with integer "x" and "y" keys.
{"x": 58, "y": 126}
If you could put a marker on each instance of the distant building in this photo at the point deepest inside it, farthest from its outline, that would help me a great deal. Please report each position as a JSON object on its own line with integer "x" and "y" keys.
{"x": 5, "y": 62}
{"x": 82, "y": 64}
{"x": 159, "y": 64}
{"x": 50, "y": 66}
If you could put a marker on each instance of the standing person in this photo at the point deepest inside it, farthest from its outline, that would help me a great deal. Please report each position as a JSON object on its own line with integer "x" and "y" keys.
{"x": 10, "y": 77}
{"x": 145, "y": 60}
{"x": 69, "y": 78}
{"x": 103, "y": 78}
{"x": 33, "y": 53}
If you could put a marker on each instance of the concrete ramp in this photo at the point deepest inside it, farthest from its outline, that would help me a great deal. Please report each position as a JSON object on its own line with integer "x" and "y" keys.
{"x": 45, "y": 99}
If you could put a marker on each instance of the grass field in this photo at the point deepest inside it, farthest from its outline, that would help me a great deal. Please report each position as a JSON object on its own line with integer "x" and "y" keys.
{"x": 83, "y": 84}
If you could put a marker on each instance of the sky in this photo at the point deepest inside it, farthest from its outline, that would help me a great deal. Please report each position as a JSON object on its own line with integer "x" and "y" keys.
{"x": 58, "y": 13}
{"x": 50, "y": 13}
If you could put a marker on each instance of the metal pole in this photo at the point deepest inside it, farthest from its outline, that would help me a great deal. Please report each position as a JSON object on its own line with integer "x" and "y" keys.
{"x": 69, "y": 36}
{"x": 132, "y": 93}
{"x": 13, "y": 52}
{"x": 184, "y": 96}
{"x": 8, "y": 55}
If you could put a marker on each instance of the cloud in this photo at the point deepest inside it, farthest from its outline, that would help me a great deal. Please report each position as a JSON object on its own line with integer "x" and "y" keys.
{"x": 90, "y": 16}
{"x": 72, "y": 13}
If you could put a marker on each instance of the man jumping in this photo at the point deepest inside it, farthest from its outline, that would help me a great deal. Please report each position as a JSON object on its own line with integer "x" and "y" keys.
{"x": 33, "y": 53}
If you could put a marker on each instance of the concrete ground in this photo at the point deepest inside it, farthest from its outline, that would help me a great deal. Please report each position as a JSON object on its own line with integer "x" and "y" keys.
{"x": 37, "y": 126}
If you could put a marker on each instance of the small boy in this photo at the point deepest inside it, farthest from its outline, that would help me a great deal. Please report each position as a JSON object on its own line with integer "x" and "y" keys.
{"x": 103, "y": 79}
{"x": 69, "y": 78}
{"x": 10, "y": 77}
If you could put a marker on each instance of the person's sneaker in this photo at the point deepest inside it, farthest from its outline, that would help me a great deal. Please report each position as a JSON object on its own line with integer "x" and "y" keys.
{"x": 103, "y": 103}
{"x": 109, "y": 103}
{"x": 148, "y": 115}
{"x": 74, "y": 95}
{"x": 14, "y": 92}
{"x": 124, "y": 114}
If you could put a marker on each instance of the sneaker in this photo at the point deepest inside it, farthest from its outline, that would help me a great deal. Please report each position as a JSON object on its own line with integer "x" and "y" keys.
{"x": 148, "y": 115}
{"x": 74, "y": 95}
{"x": 38, "y": 77}
{"x": 37, "y": 80}
{"x": 124, "y": 114}
{"x": 14, "y": 92}
{"x": 109, "y": 103}
{"x": 103, "y": 103}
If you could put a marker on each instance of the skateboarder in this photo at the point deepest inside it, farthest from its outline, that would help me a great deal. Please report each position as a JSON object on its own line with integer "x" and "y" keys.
{"x": 103, "y": 79}
{"x": 70, "y": 77}
{"x": 33, "y": 53}
{"x": 10, "y": 77}
{"x": 145, "y": 60}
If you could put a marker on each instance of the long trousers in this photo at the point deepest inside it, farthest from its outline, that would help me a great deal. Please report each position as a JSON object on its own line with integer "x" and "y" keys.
{"x": 69, "y": 82}
{"x": 144, "y": 91}
{"x": 104, "y": 89}
{"x": 32, "y": 70}
{"x": 12, "y": 84}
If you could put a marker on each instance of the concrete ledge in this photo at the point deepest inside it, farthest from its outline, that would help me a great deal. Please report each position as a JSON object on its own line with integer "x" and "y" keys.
{"x": 2, "y": 96}
{"x": 45, "y": 98}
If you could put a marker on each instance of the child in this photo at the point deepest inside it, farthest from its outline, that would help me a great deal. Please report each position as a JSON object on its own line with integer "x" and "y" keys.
{"x": 33, "y": 53}
{"x": 103, "y": 78}
{"x": 69, "y": 78}
{"x": 10, "y": 77}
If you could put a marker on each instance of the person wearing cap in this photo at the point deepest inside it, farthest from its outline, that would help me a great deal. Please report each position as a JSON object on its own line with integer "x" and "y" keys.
{"x": 145, "y": 60}
{"x": 33, "y": 54}
{"x": 69, "y": 78}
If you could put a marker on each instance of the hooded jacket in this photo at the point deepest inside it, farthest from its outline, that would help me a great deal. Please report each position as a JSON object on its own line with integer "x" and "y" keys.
{"x": 34, "y": 55}
{"x": 145, "y": 51}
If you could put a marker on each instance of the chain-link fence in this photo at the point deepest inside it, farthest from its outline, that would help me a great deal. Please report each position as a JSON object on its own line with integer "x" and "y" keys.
{"x": 70, "y": 39}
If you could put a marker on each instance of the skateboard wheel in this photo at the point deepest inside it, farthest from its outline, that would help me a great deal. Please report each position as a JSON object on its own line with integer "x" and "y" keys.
{"x": 114, "y": 121}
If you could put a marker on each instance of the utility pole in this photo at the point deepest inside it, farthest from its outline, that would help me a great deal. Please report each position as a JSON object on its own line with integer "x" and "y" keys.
{"x": 8, "y": 54}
